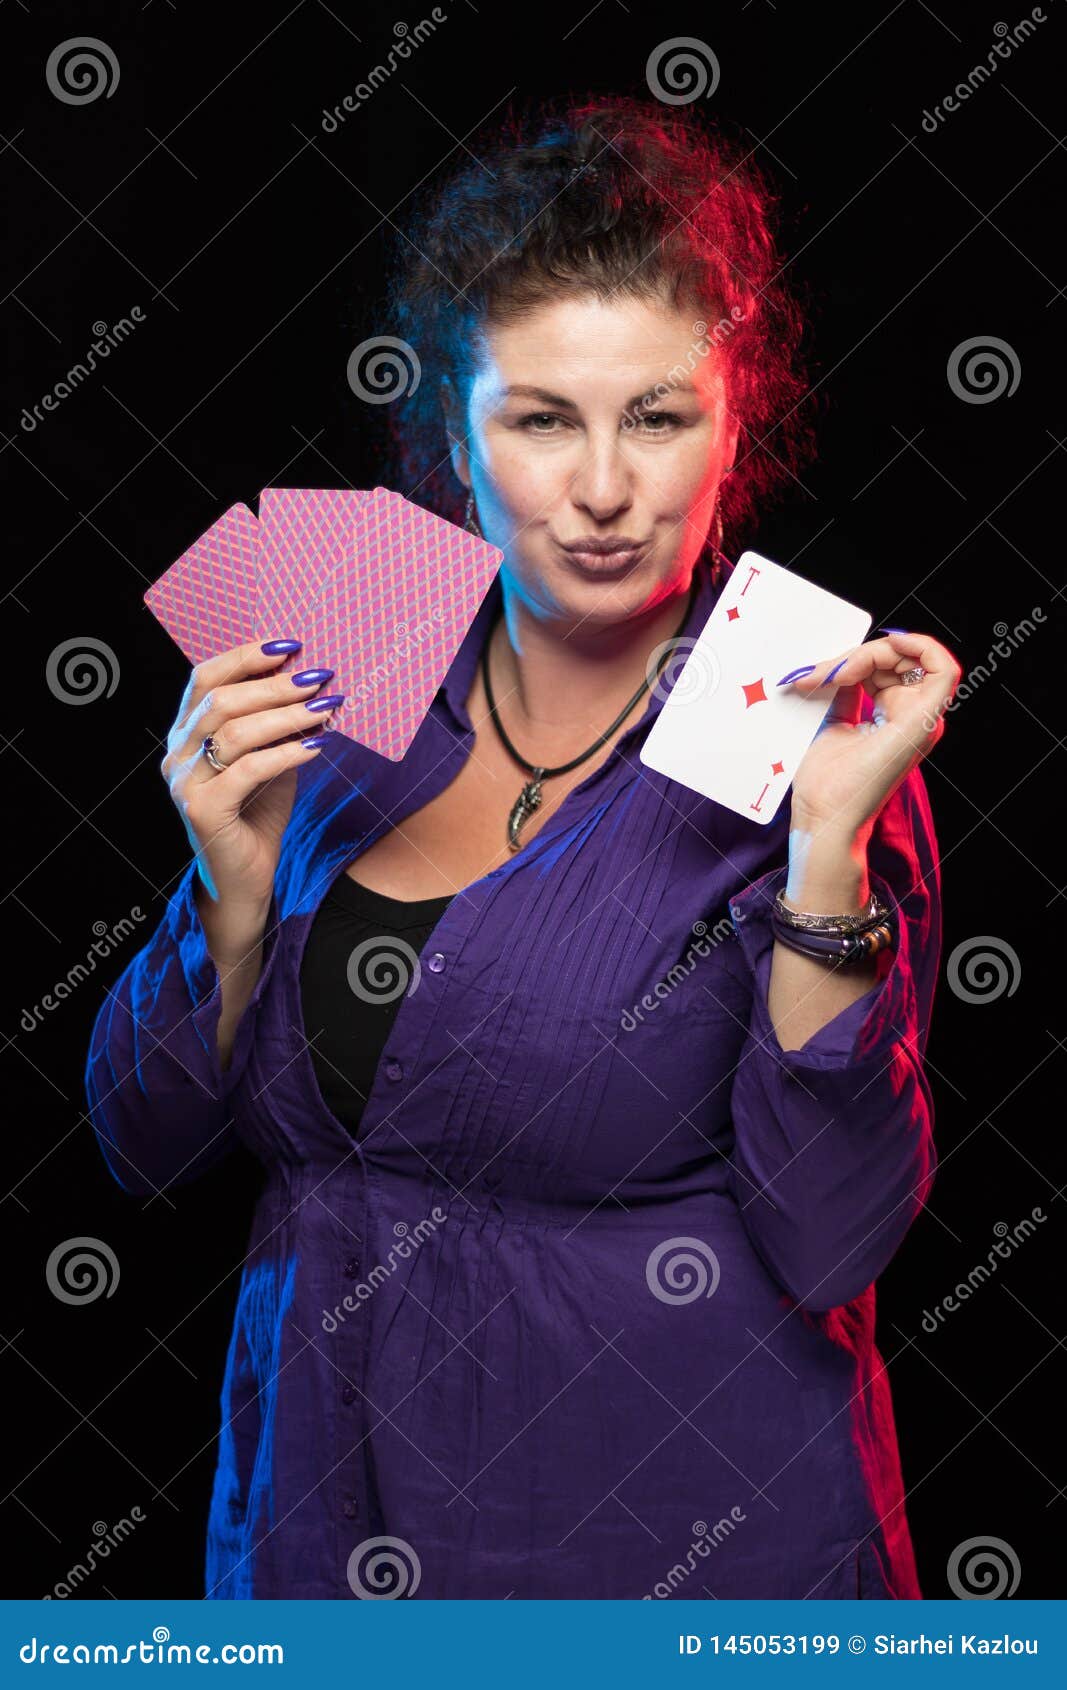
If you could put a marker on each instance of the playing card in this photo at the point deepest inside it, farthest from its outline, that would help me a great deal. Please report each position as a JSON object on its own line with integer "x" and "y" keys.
{"x": 391, "y": 618}
{"x": 207, "y": 599}
{"x": 305, "y": 534}
{"x": 726, "y": 729}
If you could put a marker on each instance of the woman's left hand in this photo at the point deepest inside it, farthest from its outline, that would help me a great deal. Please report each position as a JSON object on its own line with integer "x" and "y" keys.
{"x": 852, "y": 767}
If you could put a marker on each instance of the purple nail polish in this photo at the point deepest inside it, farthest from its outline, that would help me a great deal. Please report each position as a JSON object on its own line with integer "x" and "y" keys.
{"x": 835, "y": 670}
{"x": 317, "y": 741}
{"x": 280, "y": 648}
{"x": 894, "y": 630}
{"x": 329, "y": 702}
{"x": 795, "y": 674}
{"x": 311, "y": 677}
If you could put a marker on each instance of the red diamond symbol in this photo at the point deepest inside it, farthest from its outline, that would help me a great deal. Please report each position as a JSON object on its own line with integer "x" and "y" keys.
{"x": 777, "y": 768}
{"x": 754, "y": 693}
{"x": 733, "y": 613}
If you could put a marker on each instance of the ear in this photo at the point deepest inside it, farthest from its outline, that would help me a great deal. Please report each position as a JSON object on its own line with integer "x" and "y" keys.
{"x": 453, "y": 416}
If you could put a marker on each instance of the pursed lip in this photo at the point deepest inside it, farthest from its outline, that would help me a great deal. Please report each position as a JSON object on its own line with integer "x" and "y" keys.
{"x": 605, "y": 556}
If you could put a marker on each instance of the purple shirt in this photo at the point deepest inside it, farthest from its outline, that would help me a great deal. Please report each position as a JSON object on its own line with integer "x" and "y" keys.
{"x": 588, "y": 1310}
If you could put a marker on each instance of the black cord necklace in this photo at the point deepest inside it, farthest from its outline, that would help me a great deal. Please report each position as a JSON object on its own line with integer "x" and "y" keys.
{"x": 529, "y": 798}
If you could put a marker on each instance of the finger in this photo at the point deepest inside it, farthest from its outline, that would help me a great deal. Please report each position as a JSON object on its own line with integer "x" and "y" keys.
{"x": 222, "y": 704}
{"x": 242, "y": 735}
{"x": 236, "y": 664}
{"x": 217, "y": 803}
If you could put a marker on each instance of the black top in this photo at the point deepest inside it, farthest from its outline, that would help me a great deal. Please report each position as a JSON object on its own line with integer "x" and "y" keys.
{"x": 361, "y": 959}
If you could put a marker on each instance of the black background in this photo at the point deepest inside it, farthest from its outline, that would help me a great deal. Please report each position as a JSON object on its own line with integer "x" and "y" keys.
{"x": 205, "y": 191}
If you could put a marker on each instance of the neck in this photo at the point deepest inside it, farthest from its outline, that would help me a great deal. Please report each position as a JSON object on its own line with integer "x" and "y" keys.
{"x": 558, "y": 685}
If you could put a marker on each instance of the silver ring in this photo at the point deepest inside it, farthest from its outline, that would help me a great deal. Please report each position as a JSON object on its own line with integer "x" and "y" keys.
{"x": 210, "y": 750}
{"x": 912, "y": 677}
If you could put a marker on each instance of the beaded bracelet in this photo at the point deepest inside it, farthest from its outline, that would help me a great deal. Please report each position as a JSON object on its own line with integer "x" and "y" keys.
{"x": 834, "y": 939}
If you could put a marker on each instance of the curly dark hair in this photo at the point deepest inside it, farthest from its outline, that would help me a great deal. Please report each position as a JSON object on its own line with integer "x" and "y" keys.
{"x": 618, "y": 196}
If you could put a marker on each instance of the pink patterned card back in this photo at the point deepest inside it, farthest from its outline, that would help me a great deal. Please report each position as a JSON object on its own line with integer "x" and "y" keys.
{"x": 391, "y": 619}
{"x": 206, "y": 600}
{"x": 304, "y": 537}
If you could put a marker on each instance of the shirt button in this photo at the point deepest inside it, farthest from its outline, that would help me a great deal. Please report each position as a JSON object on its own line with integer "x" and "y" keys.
{"x": 348, "y": 1393}
{"x": 393, "y": 1070}
{"x": 436, "y": 962}
{"x": 351, "y": 1268}
{"x": 350, "y": 1508}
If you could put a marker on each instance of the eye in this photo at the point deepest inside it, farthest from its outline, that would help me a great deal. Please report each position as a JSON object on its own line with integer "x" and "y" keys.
{"x": 669, "y": 419}
{"x": 540, "y": 416}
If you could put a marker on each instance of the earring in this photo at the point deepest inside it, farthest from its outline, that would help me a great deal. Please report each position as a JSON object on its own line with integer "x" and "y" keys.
{"x": 470, "y": 520}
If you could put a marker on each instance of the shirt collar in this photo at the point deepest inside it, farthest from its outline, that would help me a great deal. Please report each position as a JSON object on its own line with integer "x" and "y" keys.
{"x": 457, "y": 683}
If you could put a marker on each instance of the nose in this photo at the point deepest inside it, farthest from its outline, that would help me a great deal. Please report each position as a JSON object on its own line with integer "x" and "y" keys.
{"x": 603, "y": 483}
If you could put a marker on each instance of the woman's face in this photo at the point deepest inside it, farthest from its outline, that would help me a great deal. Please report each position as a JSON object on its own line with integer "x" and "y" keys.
{"x": 603, "y": 421}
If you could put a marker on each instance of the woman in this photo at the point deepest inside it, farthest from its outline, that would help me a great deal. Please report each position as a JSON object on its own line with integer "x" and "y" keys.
{"x": 561, "y": 1280}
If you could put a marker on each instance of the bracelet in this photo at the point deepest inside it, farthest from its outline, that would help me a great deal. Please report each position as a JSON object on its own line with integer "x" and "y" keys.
{"x": 850, "y": 923}
{"x": 836, "y": 949}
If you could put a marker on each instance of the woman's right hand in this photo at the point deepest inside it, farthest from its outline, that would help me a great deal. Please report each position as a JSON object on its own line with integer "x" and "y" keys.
{"x": 235, "y": 818}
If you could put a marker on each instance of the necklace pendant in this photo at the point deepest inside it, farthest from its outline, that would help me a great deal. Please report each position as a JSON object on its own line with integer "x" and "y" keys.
{"x": 523, "y": 808}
